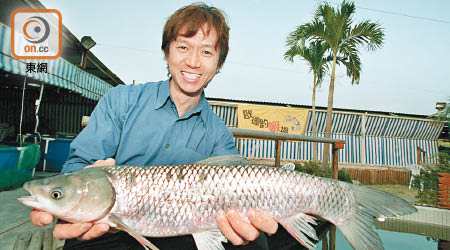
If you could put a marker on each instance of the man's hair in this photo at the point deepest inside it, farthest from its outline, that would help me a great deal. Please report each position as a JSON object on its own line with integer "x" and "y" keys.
{"x": 192, "y": 18}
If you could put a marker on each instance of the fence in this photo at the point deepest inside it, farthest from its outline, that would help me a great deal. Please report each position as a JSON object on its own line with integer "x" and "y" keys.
{"x": 380, "y": 176}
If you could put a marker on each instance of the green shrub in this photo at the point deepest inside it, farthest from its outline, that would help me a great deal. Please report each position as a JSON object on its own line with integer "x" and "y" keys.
{"x": 344, "y": 176}
{"x": 427, "y": 181}
{"x": 315, "y": 168}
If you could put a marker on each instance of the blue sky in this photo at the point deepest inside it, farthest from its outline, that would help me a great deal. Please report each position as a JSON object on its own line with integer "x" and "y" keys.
{"x": 409, "y": 74}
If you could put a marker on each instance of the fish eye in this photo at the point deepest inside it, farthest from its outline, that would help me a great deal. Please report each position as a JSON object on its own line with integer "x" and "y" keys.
{"x": 56, "y": 194}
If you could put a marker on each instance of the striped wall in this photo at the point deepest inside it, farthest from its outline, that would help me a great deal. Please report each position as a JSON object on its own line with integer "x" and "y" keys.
{"x": 387, "y": 141}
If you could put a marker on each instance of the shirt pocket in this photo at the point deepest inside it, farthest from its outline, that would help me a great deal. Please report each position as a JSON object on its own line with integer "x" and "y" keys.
{"x": 184, "y": 155}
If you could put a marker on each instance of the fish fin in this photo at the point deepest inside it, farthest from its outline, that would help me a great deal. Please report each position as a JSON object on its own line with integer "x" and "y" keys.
{"x": 299, "y": 227}
{"x": 222, "y": 160}
{"x": 122, "y": 226}
{"x": 371, "y": 204}
{"x": 209, "y": 240}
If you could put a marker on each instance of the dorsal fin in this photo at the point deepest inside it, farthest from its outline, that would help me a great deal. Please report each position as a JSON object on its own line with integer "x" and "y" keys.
{"x": 222, "y": 160}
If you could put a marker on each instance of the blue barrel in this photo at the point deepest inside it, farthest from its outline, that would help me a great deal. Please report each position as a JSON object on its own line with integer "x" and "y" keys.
{"x": 8, "y": 157}
{"x": 57, "y": 153}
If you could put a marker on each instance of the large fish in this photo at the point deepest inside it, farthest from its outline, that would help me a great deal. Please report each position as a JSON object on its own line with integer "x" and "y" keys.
{"x": 162, "y": 201}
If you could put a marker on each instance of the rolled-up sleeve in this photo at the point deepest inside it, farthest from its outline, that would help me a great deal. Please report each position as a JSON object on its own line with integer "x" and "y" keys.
{"x": 100, "y": 138}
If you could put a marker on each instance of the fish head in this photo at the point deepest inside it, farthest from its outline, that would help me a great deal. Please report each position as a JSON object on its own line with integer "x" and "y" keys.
{"x": 81, "y": 196}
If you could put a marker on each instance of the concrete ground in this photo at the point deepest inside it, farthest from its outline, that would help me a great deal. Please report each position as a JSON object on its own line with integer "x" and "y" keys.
{"x": 15, "y": 217}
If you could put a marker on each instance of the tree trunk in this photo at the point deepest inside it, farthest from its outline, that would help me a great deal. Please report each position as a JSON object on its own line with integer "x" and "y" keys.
{"x": 314, "y": 132}
{"x": 326, "y": 148}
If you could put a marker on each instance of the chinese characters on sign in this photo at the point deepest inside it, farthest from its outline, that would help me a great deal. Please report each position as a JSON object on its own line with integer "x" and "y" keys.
{"x": 272, "y": 119}
{"x": 273, "y": 126}
{"x": 36, "y": 68}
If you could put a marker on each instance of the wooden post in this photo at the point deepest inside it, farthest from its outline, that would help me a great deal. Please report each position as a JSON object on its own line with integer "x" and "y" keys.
{"x": 332, "y": 237}
{"x": 278, "y": 154}
{"x": 418, "y": 156}
{"x": 325, "y": 242}
{"x": 335, "y": 158}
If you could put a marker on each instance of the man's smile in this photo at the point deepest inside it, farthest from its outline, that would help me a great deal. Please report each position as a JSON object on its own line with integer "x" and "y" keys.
{"x": 190, "y": 76}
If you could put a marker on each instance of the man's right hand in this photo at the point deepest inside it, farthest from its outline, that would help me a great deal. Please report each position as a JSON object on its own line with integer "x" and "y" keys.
{"x": 65, "y": 230}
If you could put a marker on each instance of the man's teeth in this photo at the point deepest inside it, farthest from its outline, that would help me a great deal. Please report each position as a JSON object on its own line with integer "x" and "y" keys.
{"x": 192, "y": 76}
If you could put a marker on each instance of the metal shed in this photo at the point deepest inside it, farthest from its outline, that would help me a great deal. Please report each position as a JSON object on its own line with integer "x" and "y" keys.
{"x": 371, "y": 138}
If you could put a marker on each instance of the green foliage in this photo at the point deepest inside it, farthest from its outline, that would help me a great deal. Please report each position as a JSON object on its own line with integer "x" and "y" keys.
{"x": 336, "y": 27}
{"x": 314, "y": 54}
{"x": 427, "y": 181}
{"x": 344, "y": 176}
{"x": 315, "y": 168}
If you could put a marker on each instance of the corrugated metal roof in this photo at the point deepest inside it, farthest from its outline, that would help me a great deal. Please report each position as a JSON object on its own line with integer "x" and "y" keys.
{"x": 321, "y": 108}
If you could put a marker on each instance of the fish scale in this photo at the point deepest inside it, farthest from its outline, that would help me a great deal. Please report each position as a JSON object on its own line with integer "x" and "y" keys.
{"x": 279, "y": 193}
{"x": 164, "y": 201}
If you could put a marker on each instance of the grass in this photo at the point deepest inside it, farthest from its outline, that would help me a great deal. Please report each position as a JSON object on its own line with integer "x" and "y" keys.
{"x": 401, "y": 191}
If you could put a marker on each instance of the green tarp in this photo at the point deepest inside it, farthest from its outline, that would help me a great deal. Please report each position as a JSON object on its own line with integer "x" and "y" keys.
{"x": 28, "y": 158}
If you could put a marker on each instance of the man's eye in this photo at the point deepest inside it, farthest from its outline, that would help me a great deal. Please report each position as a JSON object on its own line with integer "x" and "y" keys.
{"x": 182, "y": 47}
{"x": 206, "y": 52}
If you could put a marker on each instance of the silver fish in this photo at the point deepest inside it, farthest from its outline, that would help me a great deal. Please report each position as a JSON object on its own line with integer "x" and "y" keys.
{"x": 162, "y": 201}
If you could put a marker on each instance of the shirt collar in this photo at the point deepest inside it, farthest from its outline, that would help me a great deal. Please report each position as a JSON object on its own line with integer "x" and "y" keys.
{"x": 164, "y": 95}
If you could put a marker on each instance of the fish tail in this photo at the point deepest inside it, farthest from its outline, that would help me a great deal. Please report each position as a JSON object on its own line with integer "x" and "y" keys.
{"x": 371, "y": 204}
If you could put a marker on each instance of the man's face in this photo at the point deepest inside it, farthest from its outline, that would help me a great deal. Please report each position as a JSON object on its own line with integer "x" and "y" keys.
{"x": 193, "y": 62}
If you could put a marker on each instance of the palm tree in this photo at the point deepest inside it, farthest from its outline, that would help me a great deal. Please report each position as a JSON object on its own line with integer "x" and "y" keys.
{"x": 336, "y": 28}
{"x": 314, "y": 55}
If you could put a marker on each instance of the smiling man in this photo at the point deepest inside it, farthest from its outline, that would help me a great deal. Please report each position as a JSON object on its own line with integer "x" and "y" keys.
{"x": 163, "y": 123}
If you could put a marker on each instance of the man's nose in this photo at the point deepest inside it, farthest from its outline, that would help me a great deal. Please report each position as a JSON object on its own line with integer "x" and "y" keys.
{"x": 193, "y": 59}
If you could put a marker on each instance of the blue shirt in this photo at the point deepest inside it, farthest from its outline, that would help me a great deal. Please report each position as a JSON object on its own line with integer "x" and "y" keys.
{"x": 139, "y": 125}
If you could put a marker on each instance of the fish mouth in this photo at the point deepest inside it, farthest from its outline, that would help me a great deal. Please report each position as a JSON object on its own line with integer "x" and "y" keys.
{"x": 31, "y": 200}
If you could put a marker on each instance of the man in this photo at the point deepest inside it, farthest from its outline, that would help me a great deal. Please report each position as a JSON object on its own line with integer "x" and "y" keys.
{"x": 163, "y": 123}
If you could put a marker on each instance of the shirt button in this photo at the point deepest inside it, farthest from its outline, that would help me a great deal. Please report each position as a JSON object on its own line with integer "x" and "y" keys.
{"x": 171, "y": 106}
{"x": 167, "y": 145}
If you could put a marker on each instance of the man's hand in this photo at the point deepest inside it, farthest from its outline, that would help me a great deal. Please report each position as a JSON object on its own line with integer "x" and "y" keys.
{"x": 103, "y": 163}
{"x": 64, "y": 230}
{"x": 240, "y": 232}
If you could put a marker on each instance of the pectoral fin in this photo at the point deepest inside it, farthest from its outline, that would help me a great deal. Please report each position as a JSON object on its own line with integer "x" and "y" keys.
{"x": 122, "y": 226}
{"x": 209, "y": 240}
{"x": 299, "y": 227}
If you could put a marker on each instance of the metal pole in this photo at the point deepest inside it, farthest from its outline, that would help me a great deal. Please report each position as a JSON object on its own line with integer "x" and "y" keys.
{"x": 83, "y": 65}
{"x": 21, "y": 111}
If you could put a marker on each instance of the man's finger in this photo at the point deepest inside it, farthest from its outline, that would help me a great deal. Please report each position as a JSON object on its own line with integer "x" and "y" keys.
{"x": 103, "y": 163}
{"x": 227, "y": 230}
{"x": 95, "y": 231}
{"x": 63, "y": 231}
{"x": 262, "y": 221}
{"x": 40, "y": 218}
{"x": 244, "y": 229}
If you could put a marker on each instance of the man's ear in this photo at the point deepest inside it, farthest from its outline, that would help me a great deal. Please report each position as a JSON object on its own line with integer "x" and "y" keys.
{"x": 218, "y": 69}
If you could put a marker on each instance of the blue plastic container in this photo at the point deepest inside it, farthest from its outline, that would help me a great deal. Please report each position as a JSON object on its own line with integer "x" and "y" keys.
{"x": 16, "y": 164}
{"x": 8, "y": 158}
{"x": 57, "y": 153}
